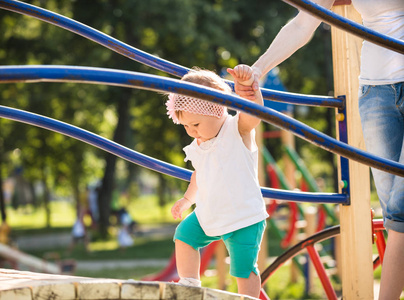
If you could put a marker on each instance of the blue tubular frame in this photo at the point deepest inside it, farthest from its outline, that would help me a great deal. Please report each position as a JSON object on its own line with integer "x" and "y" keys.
{"x": 147, "y": 161}
{"x": 164, "y": 84}
{"x": 348, "y": 25}
{"x": 94, "y": 140}
{"x": 146, "y": 58}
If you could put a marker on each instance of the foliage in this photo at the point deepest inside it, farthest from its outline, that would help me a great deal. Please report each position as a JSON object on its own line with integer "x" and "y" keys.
{"x": 212, "y": 34}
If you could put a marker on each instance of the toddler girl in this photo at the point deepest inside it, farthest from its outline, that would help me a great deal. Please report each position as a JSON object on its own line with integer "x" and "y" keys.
{"x": 224, "y": 185}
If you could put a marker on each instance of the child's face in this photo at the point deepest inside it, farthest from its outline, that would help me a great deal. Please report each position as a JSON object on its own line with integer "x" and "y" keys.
{"x": 202, "y": 128}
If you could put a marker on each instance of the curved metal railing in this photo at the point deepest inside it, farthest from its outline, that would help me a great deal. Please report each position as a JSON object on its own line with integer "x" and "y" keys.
{"x": 146, "y": 58}
{"x": 164, "y": 84}
{"x": 147, "y": 161}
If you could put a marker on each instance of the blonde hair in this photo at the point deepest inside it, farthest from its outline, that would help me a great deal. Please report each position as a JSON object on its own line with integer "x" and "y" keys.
{"x": 206, "y": 78}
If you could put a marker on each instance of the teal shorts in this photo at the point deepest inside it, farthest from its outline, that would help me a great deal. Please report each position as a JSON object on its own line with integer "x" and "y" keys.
{"x": 243, "y": 245}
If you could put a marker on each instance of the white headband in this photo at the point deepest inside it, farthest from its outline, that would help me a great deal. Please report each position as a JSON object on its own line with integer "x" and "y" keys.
{"x": 177, "y": 102}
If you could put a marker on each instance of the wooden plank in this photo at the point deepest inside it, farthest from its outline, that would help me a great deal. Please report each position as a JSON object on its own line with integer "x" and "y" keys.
{"x": 12, "y": 283}
{"x": 28, "y": 260}
{"x": 16, "y": 294}
{"x": 210, "y": 294}
{"x": 98, "y": 289}
{"x": 356, "y": 247}
{"x": 55, "y": 291}
{"x": 140, "y": 290}
{"x": 24, "y": 286}
{"x": 176, "y": 291}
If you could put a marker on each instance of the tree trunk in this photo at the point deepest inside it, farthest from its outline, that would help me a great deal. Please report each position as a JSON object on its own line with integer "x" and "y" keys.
{"x": 104, "y": 197}
{"x": 2, "y": 204}
{"x": 46, "y": 198}
{"x": 161, "y": 192}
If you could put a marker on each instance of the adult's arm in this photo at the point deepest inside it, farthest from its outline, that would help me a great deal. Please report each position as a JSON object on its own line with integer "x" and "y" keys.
{"x": 290, "y": 38}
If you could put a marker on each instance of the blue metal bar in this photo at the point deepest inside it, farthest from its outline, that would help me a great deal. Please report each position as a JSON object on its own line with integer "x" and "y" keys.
{"x": 348, "y": 25}
{"x": 146, "y": 58}
{"x": 164, "y": 84}
{"x": 93, "y": 35}
{"x": 94, "y": 140}
{"x": 144, "y": 160}
{"x": 344, "y": 163}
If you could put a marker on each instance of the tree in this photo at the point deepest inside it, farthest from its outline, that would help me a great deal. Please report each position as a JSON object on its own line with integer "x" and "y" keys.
{"x": 212, "y": 34}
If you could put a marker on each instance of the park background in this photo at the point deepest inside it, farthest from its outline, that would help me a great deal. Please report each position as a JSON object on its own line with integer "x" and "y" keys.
{"x": 45, "y": 176}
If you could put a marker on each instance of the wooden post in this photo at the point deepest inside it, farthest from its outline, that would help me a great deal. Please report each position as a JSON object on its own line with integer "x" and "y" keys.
{"x": 263, "y": 254}
{"x": 310, "y": 214}
{"x": 288, "y": 140}
{"x": 356, "y": 234}
{"x": 337, "y": 246}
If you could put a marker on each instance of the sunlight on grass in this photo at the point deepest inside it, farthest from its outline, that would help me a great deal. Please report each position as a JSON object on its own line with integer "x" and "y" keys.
{"x": 146, "y": 210}
{"x": 103, "y": 245}
{"x": 62, "y": 215}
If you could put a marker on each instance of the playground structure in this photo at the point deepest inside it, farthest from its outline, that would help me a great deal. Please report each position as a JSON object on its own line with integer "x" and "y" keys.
{"x": 356, "y": 225}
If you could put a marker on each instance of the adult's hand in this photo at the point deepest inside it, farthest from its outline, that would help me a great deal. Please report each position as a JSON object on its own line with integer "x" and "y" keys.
{"x": 248, "y": 91}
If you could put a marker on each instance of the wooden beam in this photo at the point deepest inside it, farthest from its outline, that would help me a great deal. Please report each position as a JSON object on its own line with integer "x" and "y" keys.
{"x": 264, "y": 252}
{"x": 28, "y": 260}
{"x": 356, "y": 234}
{"x": 20, "y": 285}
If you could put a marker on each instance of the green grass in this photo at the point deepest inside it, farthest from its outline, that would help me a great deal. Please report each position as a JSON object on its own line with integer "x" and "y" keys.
{"x": 34, "y": 219}
{"x": 144, "y": 248}
{"x": 144, "y": 210}
{"x": 30, "y": 221}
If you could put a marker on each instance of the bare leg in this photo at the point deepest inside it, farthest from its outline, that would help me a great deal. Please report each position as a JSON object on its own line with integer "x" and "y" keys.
{"x": 250, "y": 286}
{"x": 188, "y": 260}
{"x": 392, "y": 281}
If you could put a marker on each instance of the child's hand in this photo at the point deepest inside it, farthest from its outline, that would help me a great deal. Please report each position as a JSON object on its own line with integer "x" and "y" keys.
{"x": 179, "y": 207}
{"x": 242, "y": 74}
{"x": 248, "y": 92}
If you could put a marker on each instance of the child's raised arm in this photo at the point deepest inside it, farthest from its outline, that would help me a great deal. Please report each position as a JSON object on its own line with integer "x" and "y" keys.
{"x": 243, "y": 75}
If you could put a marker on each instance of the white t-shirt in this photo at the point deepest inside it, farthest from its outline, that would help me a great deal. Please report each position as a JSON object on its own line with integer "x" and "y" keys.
{"x": 124, "y": 238}
{"x": 229, "y": 195}
{"x": 78, "y": 229}
{"x": 380, "y": 65}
